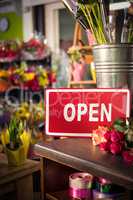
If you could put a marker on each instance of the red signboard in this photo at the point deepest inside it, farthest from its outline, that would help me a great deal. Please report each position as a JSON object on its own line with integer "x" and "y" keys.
{"x": 76, "y": 112}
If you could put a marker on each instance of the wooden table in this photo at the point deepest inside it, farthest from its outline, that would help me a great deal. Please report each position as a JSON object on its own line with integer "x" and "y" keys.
{"x": 17, "y": 179}
{"x": 81, "y": 155}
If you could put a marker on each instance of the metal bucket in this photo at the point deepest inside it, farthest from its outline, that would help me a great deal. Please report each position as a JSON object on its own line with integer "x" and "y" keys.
{"x": 114, "y": 65}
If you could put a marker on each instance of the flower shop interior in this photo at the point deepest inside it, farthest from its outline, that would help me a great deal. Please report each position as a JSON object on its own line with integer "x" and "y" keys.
{"x": 66, "y": 113}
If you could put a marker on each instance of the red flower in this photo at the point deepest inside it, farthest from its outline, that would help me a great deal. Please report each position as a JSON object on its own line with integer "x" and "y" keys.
{"x": 116, "y": 136}
{"x": 128, "y": 156}
{"x": 107, "y": 136}
{"x": 32, "y": 84}
{"x": 34, "y": 42}
{"x": 116, "y": 148}
{"x": 105, "y": 146}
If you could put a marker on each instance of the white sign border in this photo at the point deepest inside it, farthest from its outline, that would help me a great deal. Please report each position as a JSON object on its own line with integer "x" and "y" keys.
{"x": 79, "y": 90}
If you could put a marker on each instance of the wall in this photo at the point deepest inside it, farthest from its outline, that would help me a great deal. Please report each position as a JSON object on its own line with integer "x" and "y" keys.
{"x": 12, "y": 10}
{"x": 67, "y": 24}
{"x": 38, "y": 2}
{"x": 15, "y": 30}
{"x": 27, "y": 15}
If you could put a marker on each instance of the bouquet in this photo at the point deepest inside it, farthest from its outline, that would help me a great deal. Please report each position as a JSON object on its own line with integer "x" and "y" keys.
{"x": 116, "y": 139}
{"x": 9, "y": 51}
{"x": 30, "y": 77}
{"x": 34, "y": 49}
{"x": 33, "y": 114}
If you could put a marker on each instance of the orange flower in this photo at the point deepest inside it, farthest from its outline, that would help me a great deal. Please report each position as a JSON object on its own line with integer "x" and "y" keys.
{"x": 98, "y": 135}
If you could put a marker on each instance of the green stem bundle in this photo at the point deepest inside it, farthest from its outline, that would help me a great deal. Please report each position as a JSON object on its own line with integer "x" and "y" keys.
{"x": 93, "y": 16}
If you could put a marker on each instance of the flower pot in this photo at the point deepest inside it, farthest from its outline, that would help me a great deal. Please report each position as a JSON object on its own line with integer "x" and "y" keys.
{"x": 16, "y": 157}
{"x": 114, "y": 65}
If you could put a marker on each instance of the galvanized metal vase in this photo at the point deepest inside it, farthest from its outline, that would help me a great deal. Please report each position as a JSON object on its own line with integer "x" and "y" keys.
{"x": 114, "y": 65}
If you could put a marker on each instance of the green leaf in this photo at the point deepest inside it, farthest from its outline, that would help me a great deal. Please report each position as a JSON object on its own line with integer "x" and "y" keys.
{"x": 120, "y": 121}
{"x": 15, "y": 129}
{"x": 119, "y": 128}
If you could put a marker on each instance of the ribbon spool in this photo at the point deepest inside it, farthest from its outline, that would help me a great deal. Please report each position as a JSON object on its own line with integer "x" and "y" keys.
{"x": 104, "y": 185}
{"x": 104, "y": 189}
{"x": 103, "y": 196}
{"x": 80, "y": 185}
{"x": 98, "y": 195}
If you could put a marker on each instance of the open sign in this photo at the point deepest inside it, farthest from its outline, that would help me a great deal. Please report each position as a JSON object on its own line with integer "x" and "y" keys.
{"x": 76, "y": 112}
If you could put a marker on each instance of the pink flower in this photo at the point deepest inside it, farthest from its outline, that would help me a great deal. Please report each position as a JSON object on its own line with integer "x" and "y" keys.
{"x": 104, "y": 146}
{"x": 128, "y": 156}
{"x": 116, "y": 148}
{"x": 104, "y": 181}
{"x": 116, "y": 136}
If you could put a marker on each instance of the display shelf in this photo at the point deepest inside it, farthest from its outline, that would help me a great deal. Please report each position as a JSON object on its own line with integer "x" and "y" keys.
{"x": 81, "y": 84}
{"x": 22, "y": 59}
{"x": 8, "y": 60}
{"x": 45, "y": 60}
{"x": 85, "y": 157}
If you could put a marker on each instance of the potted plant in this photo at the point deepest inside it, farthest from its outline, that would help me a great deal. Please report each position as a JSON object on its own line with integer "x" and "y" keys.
{"x": 16, "y": 142}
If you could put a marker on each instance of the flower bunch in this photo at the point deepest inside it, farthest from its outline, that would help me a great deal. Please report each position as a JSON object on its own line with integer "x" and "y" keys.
{"x": 116, "y": 139}
{"x": 33, "y": 114}
{"x": 12, "y": 50}
{"x": 30, "y": 77}
{"x": 33, "y": 77}
{"x": 34, "y": 49}
{"x": 26, "y": 111}
{"x": 9, "y": 51}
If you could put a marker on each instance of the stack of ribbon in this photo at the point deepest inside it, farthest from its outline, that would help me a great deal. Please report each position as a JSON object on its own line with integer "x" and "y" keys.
{"x": 80, "y": 186}
{"x": 83, "y": 186}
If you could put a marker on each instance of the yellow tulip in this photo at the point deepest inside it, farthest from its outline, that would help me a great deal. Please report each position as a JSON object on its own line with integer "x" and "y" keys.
{"x": 4, "y": 137}
{"x": 29, "y": 76}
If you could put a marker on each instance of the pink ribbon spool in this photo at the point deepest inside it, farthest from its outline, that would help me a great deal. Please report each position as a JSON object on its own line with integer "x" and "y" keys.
{"x": 80, "y": 185}
{"x": 80, "y": 193}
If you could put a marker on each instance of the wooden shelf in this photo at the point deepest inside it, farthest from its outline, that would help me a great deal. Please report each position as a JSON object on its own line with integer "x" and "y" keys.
{"x": 61, "y": 195}
{"x": 82, "y": 84}
{"x": 91, "y": 82}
